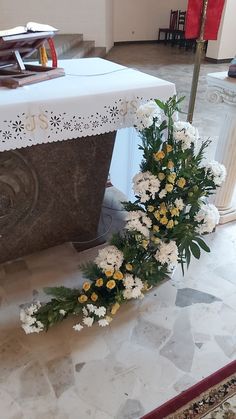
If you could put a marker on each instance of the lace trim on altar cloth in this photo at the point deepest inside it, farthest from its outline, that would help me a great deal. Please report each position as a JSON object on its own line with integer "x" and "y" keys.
{"x": 49, "y": 126}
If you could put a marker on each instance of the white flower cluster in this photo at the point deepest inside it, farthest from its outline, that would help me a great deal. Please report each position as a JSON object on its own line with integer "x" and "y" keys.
{"x": 29, "y": 322}
{"x": 138, "y": 221}
{"x": 185, "y": 133}
{"x": 217, "y": 171}
{"x": 145, "y": 185}
{"x": 109, "y": 258}
{"x": 167, "y": 253}
{"x": 209, "y": 217}
{"x": 179, "y": 203}
{"x": 133, "y": 287}
{"x": 88, "y": 317}
{"x": 146, "y": 114}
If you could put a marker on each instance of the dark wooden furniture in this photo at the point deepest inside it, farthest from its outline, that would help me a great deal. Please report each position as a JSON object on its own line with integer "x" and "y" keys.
{"x": 13, "y": 50}
{"x": 178, "y": 33}
{"x": 168, "y": 32}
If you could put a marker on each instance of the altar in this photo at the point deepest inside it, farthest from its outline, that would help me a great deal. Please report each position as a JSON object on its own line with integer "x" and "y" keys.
{"x": 56, "y": 143}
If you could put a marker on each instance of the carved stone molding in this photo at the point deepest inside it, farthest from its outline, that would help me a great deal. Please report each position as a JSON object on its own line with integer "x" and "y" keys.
{"x": 18, "y": 190}
{"x": 217, "y": 94}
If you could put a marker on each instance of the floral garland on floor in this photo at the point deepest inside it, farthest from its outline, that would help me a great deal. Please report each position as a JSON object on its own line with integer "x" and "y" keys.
{"x": 164, "y": 225}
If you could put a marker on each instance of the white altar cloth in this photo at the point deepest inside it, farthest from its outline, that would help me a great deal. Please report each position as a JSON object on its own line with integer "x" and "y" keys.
{"x": 95, "y": 96}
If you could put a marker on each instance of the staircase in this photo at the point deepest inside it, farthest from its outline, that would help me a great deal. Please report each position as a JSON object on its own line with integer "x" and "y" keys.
{"x": 73, "y": 46}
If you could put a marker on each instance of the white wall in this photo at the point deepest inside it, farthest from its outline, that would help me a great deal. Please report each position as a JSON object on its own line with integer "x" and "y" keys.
{"x": 139, "y": 20}
{"x": 93, "y": 18}
{"x": 225, "y": 46}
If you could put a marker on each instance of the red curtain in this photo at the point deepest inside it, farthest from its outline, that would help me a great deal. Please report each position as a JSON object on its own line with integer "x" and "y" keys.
{"x": 193, "y": 19}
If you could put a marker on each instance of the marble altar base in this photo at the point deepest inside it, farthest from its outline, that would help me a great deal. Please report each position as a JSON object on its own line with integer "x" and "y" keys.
{"x": 52, "y": 193}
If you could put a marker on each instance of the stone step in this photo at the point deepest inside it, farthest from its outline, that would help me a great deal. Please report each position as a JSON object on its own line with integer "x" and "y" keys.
{"x": 97, "y": 52}
{"x": 79, "y": 51}
{"x": 64, "y": 43}
{"x": 73, "y": 46}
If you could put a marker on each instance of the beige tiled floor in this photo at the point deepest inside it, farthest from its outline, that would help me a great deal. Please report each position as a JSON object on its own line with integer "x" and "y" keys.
{"x": 182, "y": 331}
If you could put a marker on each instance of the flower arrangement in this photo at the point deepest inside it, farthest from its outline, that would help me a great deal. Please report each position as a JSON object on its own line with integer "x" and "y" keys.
{"x": 164, "y": 225}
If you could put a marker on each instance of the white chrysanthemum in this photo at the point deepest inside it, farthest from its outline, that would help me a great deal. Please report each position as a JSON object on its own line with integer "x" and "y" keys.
{"x": 128, "y": 281}
{"x": 138, "y": 283}
{"x": 185, "y": 133}
{"x": 179, "y": 203}
{"x": 127, "y": 294}
{"x": 138, "y": 221}
{"x": 91, "y": 308}
{"x": 36, "y": 328}
{"x": 146, "y": 114}
{"x": 29, "y": 322}
{"x": 136, "y": 292}
{"x": 100, "y": 311}
{"x": 62, "y": 312}
{"x": 163, "y": 193}
{"x": 209, "y": 217}
{"x": 145, "y": 185}
{"x": 217, "y": 171}
{"x": 85, "y": 311}
{"x": 109, "y": 258}
{"x": 167, "y": 253}
{"x": 133, "y": 287}
{"x": 88, "y": 321}
{"x": 103, "y": 322}
{"x": 78, "y": 327}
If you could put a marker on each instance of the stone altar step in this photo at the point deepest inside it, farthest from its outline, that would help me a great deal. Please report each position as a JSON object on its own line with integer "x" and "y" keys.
{"x": 97, "y": 52}
{"x": 73, "y": 46}
{"x": 63, "y": 43}
{"x": 81, "y": 50}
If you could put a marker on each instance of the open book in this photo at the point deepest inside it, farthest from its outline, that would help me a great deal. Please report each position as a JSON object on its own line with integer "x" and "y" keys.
{"x": 29, "y": 27}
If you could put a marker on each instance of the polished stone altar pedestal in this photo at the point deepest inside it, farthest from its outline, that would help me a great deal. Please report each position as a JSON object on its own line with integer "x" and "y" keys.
{"x": 222, "y": 89}
{"x": 52, "y": 193}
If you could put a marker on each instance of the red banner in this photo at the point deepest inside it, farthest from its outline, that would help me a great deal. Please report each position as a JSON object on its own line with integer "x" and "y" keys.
{"x": 213, "y": 17}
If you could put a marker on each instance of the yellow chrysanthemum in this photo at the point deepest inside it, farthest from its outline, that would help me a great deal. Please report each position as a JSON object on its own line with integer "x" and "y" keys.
{"x": 94, "y": 297}
{"x": 170, "y": 164}
{"x": 150, "y": 208}
{"x": 164, "y": 220}
{"x": 83, "y": 298}
{"x": 176, "y": 222}
{"x": 145, "y": 244}
{"x": 108, "y": 273}
{"x": 159, "y": 155}
{"x": 171, "y": 178}
{"x": 111, "y": 284}
{"x": 170, "y": 224}
{"x": 118, "y": 275}
{"x": 109, "y": 319}
{"x": 157, "y": 215}
{"x": 146, "y": 287}
{"x": 174, "y": 212}
{"x": 86, "y": 286}
{"x": 161, "y": 176}
{"x": 156, "y": 229}
{"x": 115, "y": 308}
{"x": 169, "y": 187}
{"x": 181, "y": 182}
{"x": 129, "y": 267}
{"x": 163, "y": 205}
{"x": 99, "y": 282}
{"x": 169, "y": 148}
{"x": 156, "y": 240}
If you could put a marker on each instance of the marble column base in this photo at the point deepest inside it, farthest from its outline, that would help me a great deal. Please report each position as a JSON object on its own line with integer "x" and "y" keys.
{"x": 52, "y": 193}
{"x": 227, "y": 215}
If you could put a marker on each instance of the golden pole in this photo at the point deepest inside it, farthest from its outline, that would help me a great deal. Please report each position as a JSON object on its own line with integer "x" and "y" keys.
{"x": 197, "y": 64}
